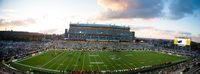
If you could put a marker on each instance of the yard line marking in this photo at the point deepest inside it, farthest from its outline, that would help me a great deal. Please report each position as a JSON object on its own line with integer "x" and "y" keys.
{"x": 136, "y": 64}
{"x": 77, "y": 60}
{"x": 109, "y": 61}
{"x": 56, "y": 61}
{"x": 62, "y": 61}
{"x": 83, "y": 62}
{"x": 97, "y": 64}
{"x": 66, "y": 59}
{"x": 128, "y": 60}
{"x": 125, "y": 61}
{"x": 71, "y": 59}
{"x": 117, "y": 62}
{"x": 89, "y": 61}
{"x": 143, "y": 55}
{"x": 52, "y": 59}
{"x": 102, "y": 61}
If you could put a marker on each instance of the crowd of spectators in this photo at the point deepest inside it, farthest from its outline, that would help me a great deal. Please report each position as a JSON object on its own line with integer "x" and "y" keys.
{"x": 20, "y": 49}
{"x": 120, "y": 46}
{"x": 11, "y": 49}
{"x": 17, "y": 49}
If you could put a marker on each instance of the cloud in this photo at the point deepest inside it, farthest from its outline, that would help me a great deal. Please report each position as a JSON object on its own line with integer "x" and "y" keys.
{"x": 6, "y": 22}
{"x": 179, "y": 8}
{"x": 151, "y": 32}
{"x": 196, "y": 39}
{"x": 117, "y": 9}
{"x": 52, "y": 31}
{"x": 115, "y": 5}
{"x": 8, "y": 10}
{"x": 49, "y": 30}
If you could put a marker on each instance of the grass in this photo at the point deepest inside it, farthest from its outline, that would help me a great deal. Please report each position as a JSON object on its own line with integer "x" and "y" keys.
{"x": 62, "y": 60}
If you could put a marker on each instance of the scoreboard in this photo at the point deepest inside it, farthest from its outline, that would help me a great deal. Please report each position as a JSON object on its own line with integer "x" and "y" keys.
{"x": 182, "y": 41}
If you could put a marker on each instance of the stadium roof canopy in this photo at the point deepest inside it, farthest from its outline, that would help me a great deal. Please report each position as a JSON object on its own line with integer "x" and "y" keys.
{"x": 99, "y": 25}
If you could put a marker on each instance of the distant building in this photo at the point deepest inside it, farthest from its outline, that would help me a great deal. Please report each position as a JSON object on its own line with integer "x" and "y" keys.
{"x": 66, "y": 33}
{"x": 99, "y": 32}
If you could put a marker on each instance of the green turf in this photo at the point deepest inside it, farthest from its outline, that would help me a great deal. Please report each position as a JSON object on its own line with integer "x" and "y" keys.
{"x": 93, "y": 60}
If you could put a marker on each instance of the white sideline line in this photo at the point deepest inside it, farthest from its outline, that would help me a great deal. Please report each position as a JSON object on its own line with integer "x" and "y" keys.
{"x": 9, "y": 66}
{"x": 52, "y": 59}
{"x": 32, "y": 56}
{"x": 36, "y": 67}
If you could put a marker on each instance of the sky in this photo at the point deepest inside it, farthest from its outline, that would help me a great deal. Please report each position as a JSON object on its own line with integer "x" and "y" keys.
{"x": 148, "y": 18}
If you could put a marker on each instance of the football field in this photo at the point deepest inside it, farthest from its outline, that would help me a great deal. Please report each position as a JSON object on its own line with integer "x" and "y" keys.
{"x": 63, "y": 60}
